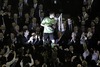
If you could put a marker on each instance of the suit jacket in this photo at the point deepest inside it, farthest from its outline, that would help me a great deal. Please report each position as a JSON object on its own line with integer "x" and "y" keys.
{"x": 24, "y": 40}
{"x": 68, "y": 28}
{"x": 1, "y": 21}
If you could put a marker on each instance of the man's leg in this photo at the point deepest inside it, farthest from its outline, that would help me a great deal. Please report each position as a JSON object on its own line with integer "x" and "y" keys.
{"x": 45, "y": 38}
{"x": 52, "y": 39}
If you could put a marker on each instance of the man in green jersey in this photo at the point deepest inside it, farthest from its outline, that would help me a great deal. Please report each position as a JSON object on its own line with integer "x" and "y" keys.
{"x": 49, "y": 24}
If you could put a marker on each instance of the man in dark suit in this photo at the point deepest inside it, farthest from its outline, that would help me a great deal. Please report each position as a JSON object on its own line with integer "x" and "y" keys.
{"x": 67, "y": 34}
{"x": 1, "y": 18}
{"x": 96, "y": 35}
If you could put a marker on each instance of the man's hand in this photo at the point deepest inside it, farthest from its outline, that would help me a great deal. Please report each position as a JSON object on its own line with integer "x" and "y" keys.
{"x": 98, "y": 42}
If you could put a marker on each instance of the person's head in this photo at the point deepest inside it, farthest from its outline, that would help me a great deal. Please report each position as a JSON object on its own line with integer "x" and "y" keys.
{"x": 96, "y": 20}
{"x": 89, "y": 30}
{"x": 44, "y": 65}
{"x": 20, "y": 9}
{"x": 25, "y": 27}
{"x": 40, "y": 7}
{"x": 79, "y": 65}
{"x": 75, "y": 28}
{"x": 1, "y": 36}
{"x": 42, "y": 14}
{"x": 37, "y": 29}
{"x": 83, "y": 23}
{"x": 26, "y": 33}
{"x": 51, "y": 15}
{"x": 6, "y": 2}
{"x": 33, "y": 34}
{"x": 92, "y": 23}
{"x": 84, "y": 63}
{"x": 9, "y": 8}
{"x": 37, "y": 62}
{"x": 71, "y": 48}
{"x": 27, "y": 65}
{"x": 32, "y": 10}
{"x": 35, "y": 1}
{"x": 12, "y": 35}
{"x": 4, "y": 65}
{"x": 69, "y": 21}
{"x": 83, "y": 28}
{"x": 34, "y": 20}
{"x": 83, "y": 9}
{"x": 60, "y": 47}
{"x": 14, "y": 24}
{"x": 1, "y": 12}
{"x": 15, "y": 16}
{"x": 93, "y": 29}
{"x": 17, "y": 27}
{"x": 3, "y": 27}
{"x": 26, "y": 15}
{"x": 21, "y": 1}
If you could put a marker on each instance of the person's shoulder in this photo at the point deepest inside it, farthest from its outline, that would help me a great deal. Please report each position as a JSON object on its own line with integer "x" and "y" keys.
{"x": 46, "y": 18}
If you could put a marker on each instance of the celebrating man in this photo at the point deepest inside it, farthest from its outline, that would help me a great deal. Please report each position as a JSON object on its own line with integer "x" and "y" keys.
{"x": 49, "y": 24}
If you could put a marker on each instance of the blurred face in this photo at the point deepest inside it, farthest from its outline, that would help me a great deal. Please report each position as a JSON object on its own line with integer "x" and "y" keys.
{"x": 26, "y": 15}
{"x": 41, "y": 7}
{"x": 69, "y": 21}
{"x": 83, "y": 9}
{"x": 83, "y": 28}
{"x": 1, "y": 36}
{"x": 51, "y": 15}
{"x": 25, "y": 27}
{"x": 84, "y": 63}
{"x": 79, "y": 65}
{"x": 27, "y": 51}
{"x": 13, "y": 24}
{"x": 17, "y": 27}
{"x": 42, "y": 14}
{"x": 75, "y": 28}
{"x": 1, "y": 12}
{"x": 12, "y": 35}
{"x": 9, "y": 7}
{"x": 37, "y": 62}
{"x": 20, "y": 9}
{"x": 15, "y": 16}
{"x": 34, "y": 20}
{"x": 32, "y": 10}
{"x": 35, "y": 1}
{"x": 97, "y": 19}
{"x": 38, "y": 29}
{"x": 89, "y": 30}
{"x": 20, "y": 1}
{"x": 26, "y": 33}
{"x": 3, "y": 27}
{"x": 92, "y": 23}
{"x": 71, "y": 48}
{"x": 83, "y": 23}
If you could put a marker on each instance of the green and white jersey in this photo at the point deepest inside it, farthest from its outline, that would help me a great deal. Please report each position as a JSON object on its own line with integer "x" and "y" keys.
{"x": 47, "y": 23}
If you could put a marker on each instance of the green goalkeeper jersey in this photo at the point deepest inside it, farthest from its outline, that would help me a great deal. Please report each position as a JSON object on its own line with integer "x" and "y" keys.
{"x": 47, "y": 23}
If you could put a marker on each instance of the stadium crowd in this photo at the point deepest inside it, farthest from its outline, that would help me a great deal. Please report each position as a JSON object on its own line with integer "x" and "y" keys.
{"x": 21, "y": 37}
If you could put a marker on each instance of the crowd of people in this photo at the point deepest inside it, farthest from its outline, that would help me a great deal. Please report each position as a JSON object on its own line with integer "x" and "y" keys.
{"x": 76, "y": 40}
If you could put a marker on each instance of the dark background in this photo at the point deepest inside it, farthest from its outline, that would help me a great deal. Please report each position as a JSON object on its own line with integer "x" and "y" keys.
{"x": 72, "y": 7}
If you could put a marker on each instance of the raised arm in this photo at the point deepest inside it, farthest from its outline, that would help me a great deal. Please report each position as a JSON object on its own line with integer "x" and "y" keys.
{"x": 21, "y": 63}
{"x": 7, "y": 52}
{"x": 14, "y": 58}
{"x": 32, "y": 61}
